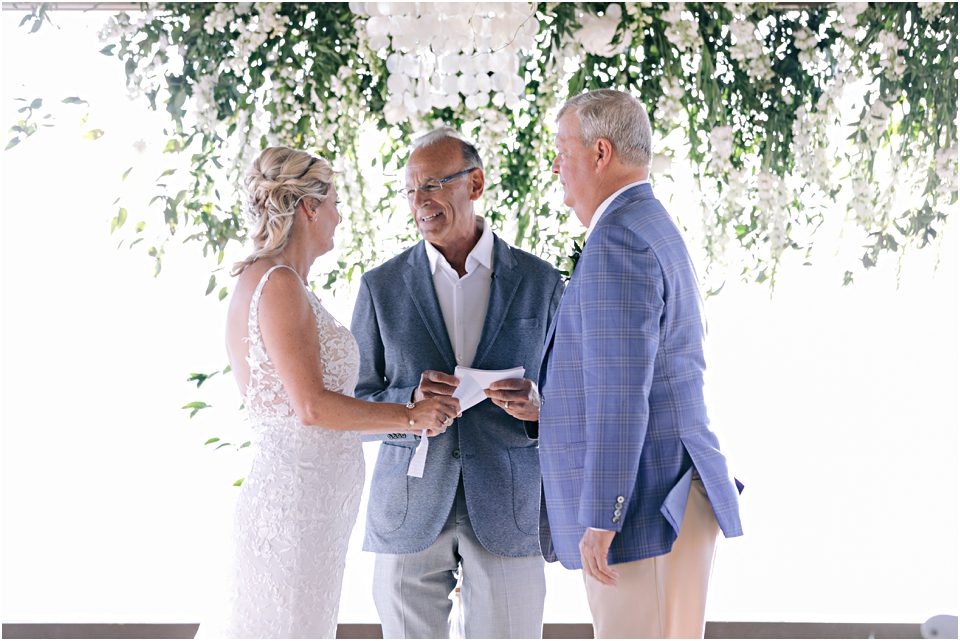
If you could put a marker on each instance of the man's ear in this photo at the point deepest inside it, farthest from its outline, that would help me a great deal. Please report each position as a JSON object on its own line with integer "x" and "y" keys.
{"x": 477, "y": 182}
{"x": 603, "y": 149}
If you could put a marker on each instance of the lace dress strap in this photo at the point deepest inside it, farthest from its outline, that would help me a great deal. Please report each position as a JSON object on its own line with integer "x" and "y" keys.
{"x": 253, "y": 319}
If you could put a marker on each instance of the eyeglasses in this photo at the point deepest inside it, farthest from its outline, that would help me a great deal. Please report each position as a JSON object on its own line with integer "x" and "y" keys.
{"x": 433, "y": 185}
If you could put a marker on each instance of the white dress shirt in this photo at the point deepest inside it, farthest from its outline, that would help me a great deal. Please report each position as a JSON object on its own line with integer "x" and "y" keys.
{"x": 463, "y": 301}
{"x": 601, "y": 210}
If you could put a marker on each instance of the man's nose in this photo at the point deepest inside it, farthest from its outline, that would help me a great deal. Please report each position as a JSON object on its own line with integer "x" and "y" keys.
{"x": 419, "y": 198}
{"x": 555, "y": 165}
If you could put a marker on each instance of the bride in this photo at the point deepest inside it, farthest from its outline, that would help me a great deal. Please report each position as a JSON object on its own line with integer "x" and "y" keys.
{"x": 297, "y": 367}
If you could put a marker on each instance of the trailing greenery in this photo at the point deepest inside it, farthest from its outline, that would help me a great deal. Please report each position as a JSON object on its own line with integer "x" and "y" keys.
{"x": 754, "y": 90}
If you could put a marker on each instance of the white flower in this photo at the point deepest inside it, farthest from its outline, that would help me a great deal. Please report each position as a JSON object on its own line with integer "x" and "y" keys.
{"x": 721, "y": 142}
{"x": 140, "y": 146}
{"x": 931, "y": 10}
{"x": 683, "y": 31}
{"x": 669, "y": 107}
{"x": 946, "y": 166}
{"x": 748, "y": 50}
{"x": 218, "y": 19}
{"x": 891, "y": 62}
{"x": 596, "y": 33}
{"x": 849, "y": 13}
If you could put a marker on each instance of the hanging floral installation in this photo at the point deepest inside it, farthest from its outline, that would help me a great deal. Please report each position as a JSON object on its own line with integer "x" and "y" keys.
{"x": 751, "y": 95}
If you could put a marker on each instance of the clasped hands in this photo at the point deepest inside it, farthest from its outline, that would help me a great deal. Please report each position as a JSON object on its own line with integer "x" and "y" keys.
{"x": 518, "y": 397}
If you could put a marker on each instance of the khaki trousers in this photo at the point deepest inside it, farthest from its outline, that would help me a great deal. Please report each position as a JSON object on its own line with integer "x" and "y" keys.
{"x": 664, "y": 596}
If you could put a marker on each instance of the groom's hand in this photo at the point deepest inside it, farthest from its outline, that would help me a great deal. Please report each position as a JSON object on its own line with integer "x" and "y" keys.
{"x": 433, "y": 384}
{"x": 593, "y": 553}
{"x": 517, "y": 396}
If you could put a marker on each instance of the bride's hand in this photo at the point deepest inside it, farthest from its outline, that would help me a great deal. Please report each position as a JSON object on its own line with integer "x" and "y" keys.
{"x": 433, "y": 414}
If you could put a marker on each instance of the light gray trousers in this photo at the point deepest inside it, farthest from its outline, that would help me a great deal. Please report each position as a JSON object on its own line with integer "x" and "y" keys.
{"x": 502, "y": 596}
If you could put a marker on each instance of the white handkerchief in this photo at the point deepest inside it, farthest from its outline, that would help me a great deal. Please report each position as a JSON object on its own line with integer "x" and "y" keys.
{"x": 419, "y": 457}
{"x": 474, "y": 381}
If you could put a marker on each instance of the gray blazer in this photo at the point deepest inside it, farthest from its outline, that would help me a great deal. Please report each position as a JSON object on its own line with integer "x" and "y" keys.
{"x": 400, "y": 330}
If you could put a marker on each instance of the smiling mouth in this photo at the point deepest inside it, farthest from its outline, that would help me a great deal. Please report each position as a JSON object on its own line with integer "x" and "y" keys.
{"x": 427, "y": 219}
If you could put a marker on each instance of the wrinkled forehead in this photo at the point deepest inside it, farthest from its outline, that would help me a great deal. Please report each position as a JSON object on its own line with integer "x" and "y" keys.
{"x": 435, "y": 161}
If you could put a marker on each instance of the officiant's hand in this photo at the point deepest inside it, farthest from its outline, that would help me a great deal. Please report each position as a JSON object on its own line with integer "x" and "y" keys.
{"x": 433, "y": 383}
{"x": 517, "y": 396}
{"x": 594, "y": 547}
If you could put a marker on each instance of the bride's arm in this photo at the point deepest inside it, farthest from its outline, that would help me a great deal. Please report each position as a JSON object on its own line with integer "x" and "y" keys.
{"x": 290, "y": 336}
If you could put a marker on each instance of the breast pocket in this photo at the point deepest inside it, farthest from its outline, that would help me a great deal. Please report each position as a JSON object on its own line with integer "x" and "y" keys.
{"x": 521, "y": 323}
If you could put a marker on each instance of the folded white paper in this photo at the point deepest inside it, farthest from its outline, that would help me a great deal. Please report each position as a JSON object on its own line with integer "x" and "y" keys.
{"x": 419, "y": 457}
{"x": 474, "y": 381}
{"x": 469, "y": 393}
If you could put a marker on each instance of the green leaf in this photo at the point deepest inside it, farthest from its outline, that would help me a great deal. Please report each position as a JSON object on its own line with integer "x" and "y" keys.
{"x": 222, "y": 445}
{"x": 37, "y": 103}
{"x": 118, "y": 221}
{"x": 244, "y": 444}
{"x": 847, "y": 278}
{"x": 168, "y": 172}
{"x": 211, "y": 440}
{"x": 108, "y": 50}
{"x": 238, "y": 482}
{"x": 93, "y": 134}
{"x": 211, "y": 284}
{"x": 74, "y": 100}
{"x": 13, "y": 143}
{"x": 222, "y": 294}
{"x": 126, "y": 173}
{"x": 195, "y": 407}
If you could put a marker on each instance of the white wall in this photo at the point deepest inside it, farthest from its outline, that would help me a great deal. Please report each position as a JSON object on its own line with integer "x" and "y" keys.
{"x": 837, "y": 406}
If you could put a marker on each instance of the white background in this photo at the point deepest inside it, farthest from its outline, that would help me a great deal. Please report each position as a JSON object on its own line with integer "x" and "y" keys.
{"x": 836, "y": 406}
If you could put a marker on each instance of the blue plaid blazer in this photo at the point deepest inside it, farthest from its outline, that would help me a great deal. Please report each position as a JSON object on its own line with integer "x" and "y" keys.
{"x": 623, "y": 423}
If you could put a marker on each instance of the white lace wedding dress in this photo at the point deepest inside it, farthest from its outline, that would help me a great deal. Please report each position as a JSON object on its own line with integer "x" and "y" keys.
{"x": 298, "y": 504}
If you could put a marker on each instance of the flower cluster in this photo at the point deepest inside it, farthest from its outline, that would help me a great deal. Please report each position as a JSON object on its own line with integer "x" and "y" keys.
{"x": 597, "y": 32}
{"x": 946, "y": 167}
{"x": 888, "y": 44}
{"x": 806, "y": 42}
{"x": 748, "y": 50}
{"x": 682, "y": 29}
{"x": 669, "y": 107}
{"x": 772, "y": 207}
{"x": 849, "y": 14}
{"x": 448, "y": 52}
{"x": 931, "y": 10}
{"x": 721, "y": 149}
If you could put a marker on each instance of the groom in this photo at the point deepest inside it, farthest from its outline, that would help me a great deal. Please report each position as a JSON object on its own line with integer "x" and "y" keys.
{"x": 461, "y": 296}
{"x": 636, "y": 487}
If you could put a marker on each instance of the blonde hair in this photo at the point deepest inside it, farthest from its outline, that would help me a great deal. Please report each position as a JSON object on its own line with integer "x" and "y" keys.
{"x": 278, "y": 180}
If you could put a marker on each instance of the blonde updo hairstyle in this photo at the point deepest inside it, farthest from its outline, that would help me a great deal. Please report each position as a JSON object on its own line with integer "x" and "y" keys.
{"x": 278, "y": 181}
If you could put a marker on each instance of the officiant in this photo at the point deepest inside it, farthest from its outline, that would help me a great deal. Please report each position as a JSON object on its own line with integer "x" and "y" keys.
{"x": 459, "y": 297}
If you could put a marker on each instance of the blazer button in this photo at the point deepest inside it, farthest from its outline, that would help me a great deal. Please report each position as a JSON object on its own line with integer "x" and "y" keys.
{"x": 456, "y": 454}
{"x": 616, "y": 512}
{"x": 619, "y": 499}
{"x": 615, "y": 519}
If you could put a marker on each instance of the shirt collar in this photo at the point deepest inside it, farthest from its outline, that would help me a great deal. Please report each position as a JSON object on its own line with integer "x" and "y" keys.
{"x": 602, "y": 209}
{"x": 481, "y": 254}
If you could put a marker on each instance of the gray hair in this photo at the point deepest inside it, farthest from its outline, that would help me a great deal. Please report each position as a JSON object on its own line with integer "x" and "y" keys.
{"x": 619, "y": 118}
{"x": 470, "y": 154}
